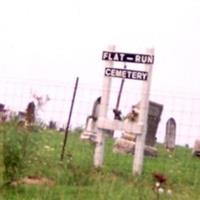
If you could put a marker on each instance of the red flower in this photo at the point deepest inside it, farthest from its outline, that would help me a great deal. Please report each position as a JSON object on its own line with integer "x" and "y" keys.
{"x": 159, "y": 177}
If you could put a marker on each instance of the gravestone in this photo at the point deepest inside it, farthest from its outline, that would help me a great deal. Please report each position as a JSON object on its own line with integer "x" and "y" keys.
{"x": 196, "y": 148}
{"x": 126, "y": 144}
{"x": 2, "y": 112}
{"x": 21, "y": 116}
{"x": 89, "y": 132}
{"x": 30, "y": 113}
{"x": 52, "y": 125}
{"x": 154, "y": 115}
{"x": 170, "y": 135}
{"x": 2, "y": 106}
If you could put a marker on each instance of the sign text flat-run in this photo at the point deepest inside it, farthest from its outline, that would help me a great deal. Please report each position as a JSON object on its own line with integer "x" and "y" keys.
{"x": 126, "y": 74}
{"x": 128, "y": 57}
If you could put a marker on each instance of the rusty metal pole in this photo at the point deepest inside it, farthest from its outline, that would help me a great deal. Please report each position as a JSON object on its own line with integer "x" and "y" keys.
{"x": 69, "y": 119}
{"x": 117, "y": 112}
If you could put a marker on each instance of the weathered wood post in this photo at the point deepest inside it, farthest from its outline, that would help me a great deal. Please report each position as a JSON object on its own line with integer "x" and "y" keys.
{"x": 144, "y": 107}
{"x": 99, "y": 148}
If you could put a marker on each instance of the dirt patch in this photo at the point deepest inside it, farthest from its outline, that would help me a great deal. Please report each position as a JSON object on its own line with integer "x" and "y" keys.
{"x": 34, "y": 180}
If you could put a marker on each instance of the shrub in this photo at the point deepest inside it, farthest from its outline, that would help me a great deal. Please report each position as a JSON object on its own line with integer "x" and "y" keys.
{"x": 16, "y": 149}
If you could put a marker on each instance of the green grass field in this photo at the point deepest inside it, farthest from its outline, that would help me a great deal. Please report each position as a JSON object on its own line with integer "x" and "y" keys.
{"x": 76, "y": 178}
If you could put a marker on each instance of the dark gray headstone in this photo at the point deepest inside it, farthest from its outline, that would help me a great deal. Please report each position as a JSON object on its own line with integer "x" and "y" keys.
{"x": 154, "y": 115}
{"x": 2, "y": 106}
{"x": 170, "y": 135}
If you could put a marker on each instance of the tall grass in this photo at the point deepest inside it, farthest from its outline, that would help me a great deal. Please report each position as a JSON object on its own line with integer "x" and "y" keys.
{"x": 76, "y": 178}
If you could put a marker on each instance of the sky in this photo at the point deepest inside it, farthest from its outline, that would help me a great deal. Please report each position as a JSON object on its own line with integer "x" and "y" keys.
{"x": 50, "y": 40}
{"x": 57, "y": 40}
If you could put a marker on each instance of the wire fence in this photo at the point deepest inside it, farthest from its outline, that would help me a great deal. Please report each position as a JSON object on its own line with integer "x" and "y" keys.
{"x": 15, "y": 94}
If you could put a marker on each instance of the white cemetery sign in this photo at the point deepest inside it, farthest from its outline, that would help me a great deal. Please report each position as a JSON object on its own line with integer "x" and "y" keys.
{"x": 127, "y": 57}
{"x": 125, "y": 73}
{"x": 103, "y": 123}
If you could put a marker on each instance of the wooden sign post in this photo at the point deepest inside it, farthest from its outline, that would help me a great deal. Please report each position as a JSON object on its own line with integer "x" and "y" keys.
{"x": 100, "y": 139}
{"x": 144, "y": 107}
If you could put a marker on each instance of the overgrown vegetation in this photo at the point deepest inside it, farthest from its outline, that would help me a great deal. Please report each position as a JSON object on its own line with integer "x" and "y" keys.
{"x": 36, "y": 153}
{"x": 18, "y": 148}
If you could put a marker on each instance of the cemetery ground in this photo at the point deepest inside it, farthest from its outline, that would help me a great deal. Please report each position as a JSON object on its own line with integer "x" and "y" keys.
{"x": 30, "y": 168}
